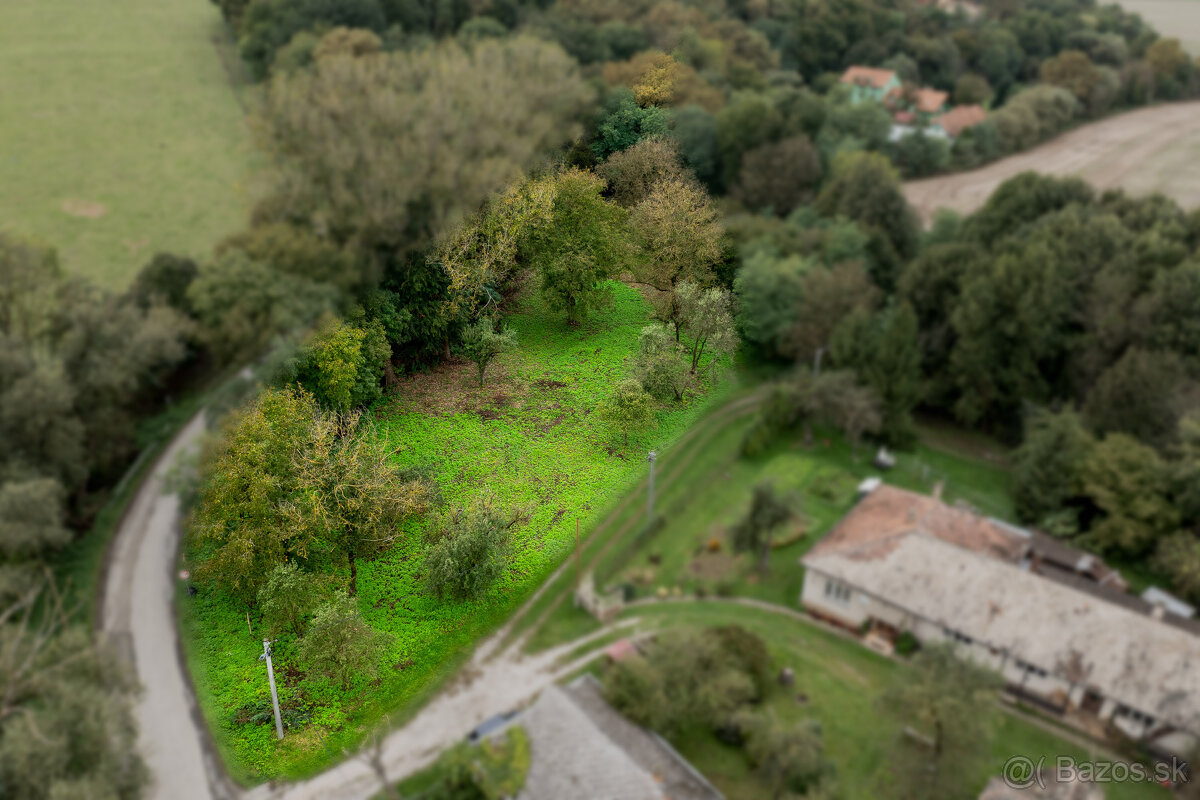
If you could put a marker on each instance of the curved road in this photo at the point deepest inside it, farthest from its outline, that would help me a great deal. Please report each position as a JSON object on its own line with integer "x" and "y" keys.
{"x": 137, "y": 614}
{"x": 1152, "y": 149}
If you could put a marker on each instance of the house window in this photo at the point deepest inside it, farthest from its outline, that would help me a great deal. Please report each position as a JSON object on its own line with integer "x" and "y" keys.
{"x": 1134, "y": 715}
{"x": 1030, "y": 669}
{"x": 838, "y": 592}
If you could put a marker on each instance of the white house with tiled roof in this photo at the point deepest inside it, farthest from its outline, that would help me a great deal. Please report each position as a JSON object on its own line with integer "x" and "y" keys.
{"x": 907, "y": 562}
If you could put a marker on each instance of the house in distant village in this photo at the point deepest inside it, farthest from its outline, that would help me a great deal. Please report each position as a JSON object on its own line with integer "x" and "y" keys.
{"x": 870, "y": 83}
{"x": 920, "y": 108}
{"x": 1054, "y": 621}
{"x": 580, "y": 746}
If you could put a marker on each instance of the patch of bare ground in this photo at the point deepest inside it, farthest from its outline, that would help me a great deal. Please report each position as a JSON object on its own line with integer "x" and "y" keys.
{"x": 1152, "y": 149}
{"x": 453, "y": 387}
{"x": 84, "y": 208}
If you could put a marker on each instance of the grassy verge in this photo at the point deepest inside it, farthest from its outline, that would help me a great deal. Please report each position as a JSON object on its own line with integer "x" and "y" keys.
{"x": 123, "y": 136}
{"x": 837, "y": 683}
{"x": 528, "y": 438}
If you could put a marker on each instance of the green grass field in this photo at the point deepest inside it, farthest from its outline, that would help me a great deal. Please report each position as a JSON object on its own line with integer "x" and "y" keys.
{"x": 529, "y": 438}
{"x": 714, "y": 491}
{"x": 840, "y": 681}
{"x": 120, "y": 132}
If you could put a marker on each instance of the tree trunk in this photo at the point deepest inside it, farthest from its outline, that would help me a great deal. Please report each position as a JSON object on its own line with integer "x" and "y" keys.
{"x": 353, "y": 574}
{"x": 764, "y": 559}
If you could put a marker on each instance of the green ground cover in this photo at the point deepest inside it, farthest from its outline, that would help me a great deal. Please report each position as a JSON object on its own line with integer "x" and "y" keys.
{"x": 529, "y": 438}
{"x": 714, "y": 491}
{"x": 839, "y": 681}
{"x": 121, "y": 133}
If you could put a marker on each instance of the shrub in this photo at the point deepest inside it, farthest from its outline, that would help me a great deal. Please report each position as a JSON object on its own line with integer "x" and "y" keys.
{"x": 482, "y": 343}
{"x": 906, "y": 644}
{"x": 471, "y": 554}
{"x": 339, "y": 644}
{"x": 286, "y": 599}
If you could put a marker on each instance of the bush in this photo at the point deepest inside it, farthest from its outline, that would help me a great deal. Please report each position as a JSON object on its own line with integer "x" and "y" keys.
{"x": 471, "y": 554}
{"x": 906, "y": 644}
{"x": 339, "y": 644}
{"x": 287, "y": 599}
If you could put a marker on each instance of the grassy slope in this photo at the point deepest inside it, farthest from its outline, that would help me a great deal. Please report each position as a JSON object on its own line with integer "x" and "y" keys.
{"x": 529, "y": 439}
{"x": 126, "y": 105}
{"x": 714, "y": 493}
{"x": 841, "y": 681}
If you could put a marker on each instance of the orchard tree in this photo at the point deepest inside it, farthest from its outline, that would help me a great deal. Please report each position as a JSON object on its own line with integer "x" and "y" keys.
{"x": 788, "y": 756}
{"x": 629, "y": 409}
{"x": 471, "y": 552}
{"x": 706, "y": 321}
{"x": 339, "y": 644}
{"x": 581, "y": 246}
{"x": 679, "y": 233}
{"x": 755, "y": 531}
{"x": 348, "y": 496}
{"x": 949, "y": 703}
{"x": 660, "y": 366}
{"x": 481, "y": 343}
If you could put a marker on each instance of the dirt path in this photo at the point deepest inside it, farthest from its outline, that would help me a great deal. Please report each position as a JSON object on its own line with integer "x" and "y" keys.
{"x": 1154, "y": 149}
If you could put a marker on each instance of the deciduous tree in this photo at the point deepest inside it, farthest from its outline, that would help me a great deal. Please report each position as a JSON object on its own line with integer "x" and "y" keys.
{"x": 482, "y": 343}
{"x": 581, "y": 246}
{"x": 755, "y": 531}
{"x": 705, "y": 321}
{"x": 629, "y": 409}
{"x": 679, "y": 234}
{"x": 470, "y": 554}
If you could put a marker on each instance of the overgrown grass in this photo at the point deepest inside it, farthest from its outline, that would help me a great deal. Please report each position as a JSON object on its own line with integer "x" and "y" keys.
{"x": 840, "y": 681}
{"x": 528, "y": 438}
{"x": 122, "y": 135}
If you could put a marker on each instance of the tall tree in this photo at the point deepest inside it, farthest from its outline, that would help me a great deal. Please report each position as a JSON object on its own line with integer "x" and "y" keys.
{"x": 348, "y": 496}
{"x": 705, "y": 321}
{"x": 1047, "y": 467}
{"x": 391, "y": 150}
{"x": 882, "y": 349}
{"x": 634, "y": 172}
{"x": 1128, "y": 483}
{"x": 482, "y": 343}
{"x": 580, "y": 247}
{"x": 679, "y": 234}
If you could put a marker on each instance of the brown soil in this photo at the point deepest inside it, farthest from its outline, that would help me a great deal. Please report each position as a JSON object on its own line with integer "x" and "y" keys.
{"x": 1149, "y": 150}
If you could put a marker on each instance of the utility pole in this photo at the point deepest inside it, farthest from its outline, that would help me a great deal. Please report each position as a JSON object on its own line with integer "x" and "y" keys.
{"x": 266, "y": 655}
{"x": 650, "y": 499}
{"x": 817, "y": 360}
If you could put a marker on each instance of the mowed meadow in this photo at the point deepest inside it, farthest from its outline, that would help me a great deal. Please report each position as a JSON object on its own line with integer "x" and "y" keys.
{"x": 121, "y": 134}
